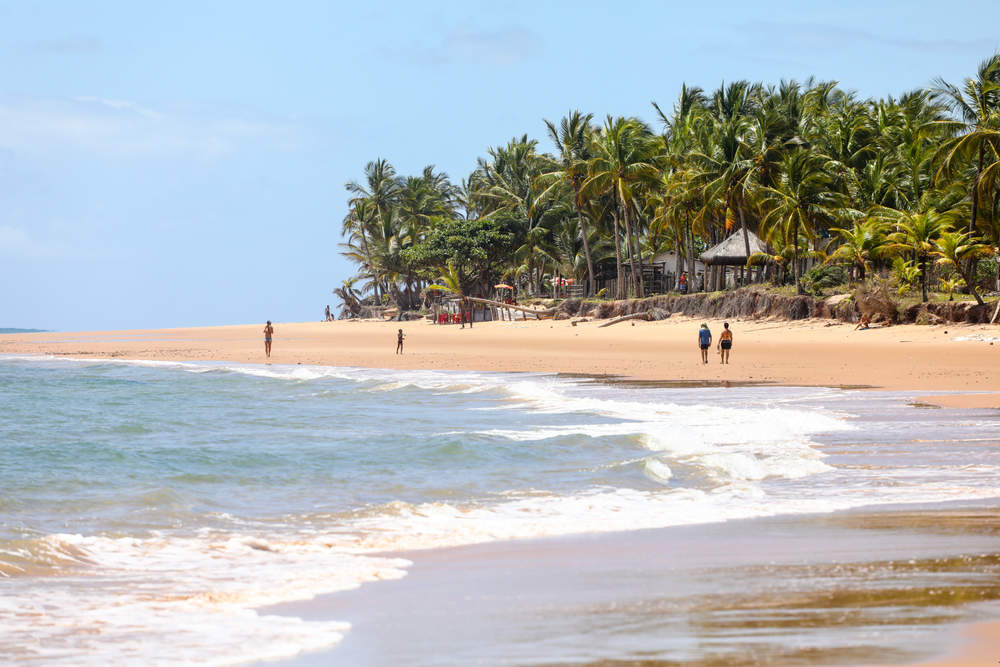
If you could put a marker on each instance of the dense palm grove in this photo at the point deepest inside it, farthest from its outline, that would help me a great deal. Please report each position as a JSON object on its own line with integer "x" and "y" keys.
{"x": 901, "y": 190}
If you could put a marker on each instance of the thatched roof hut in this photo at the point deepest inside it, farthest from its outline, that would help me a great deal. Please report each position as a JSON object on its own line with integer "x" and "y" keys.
{"x": 733, "y": 251}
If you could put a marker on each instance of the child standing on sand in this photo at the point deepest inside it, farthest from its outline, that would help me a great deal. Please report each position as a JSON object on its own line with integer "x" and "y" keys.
{"x": 399, "y": 342}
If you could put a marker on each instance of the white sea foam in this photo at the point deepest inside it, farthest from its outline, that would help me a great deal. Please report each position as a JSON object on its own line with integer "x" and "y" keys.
{"x": 200, "y": 592}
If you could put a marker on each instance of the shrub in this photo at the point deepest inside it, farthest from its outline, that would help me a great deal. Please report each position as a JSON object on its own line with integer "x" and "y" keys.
{"x": 821, "y": 276}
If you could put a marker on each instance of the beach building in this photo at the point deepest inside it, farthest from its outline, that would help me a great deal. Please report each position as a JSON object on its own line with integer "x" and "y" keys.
{"x": 659, "y": 272}
{"x": 726, "y": 261}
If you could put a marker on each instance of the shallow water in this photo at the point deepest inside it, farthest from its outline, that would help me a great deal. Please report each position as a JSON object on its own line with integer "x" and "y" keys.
{"x": 147, "y": 508}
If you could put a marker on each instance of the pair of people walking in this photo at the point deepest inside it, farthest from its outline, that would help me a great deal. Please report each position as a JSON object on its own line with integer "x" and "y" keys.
{"x": 724, "y": 346}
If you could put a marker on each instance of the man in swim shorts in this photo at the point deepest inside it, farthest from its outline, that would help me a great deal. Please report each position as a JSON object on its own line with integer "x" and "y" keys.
{"x": 399, "y": 342}
{"x": 725, "y": 343}
{"x": 704, "y": 341}
{"x": 268, "y": 332}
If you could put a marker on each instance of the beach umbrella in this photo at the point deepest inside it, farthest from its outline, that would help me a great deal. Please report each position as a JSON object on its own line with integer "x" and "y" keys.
{"x": 502, "y": 286}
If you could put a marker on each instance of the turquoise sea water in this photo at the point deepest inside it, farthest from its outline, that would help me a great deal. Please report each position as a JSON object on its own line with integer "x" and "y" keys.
{"x": 147, "y": 506}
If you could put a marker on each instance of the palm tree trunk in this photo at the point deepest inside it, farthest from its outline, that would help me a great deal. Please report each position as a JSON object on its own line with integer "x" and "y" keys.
{"x": 628, "y": 240}
{"x": 679, "y": 259}
{"x": 619, "y": 285}
{"x": 796, "y": 269}
{"x": 743, "y": 224}
{"x": 923, "y": 278}
{"x": 586, "y": 250}
{"x": 638, "y": 254}
{"x": 692, "y": 262}
{"x": 972, "y": 288}
{"x": 975, "y": 190}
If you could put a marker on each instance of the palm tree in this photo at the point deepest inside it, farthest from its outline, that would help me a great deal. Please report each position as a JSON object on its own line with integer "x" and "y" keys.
{"x": 916, "y": 234}
{"x": 958, "y": 248}
{"x": 506, "y": 187}
{"x": 380, "y": 189}
{"x": 623, "y": 161}
{"x": 572, "y": 140}
{"x": 949, "y": 285}
{"x": 800, "y": 201}
{"x": 977, "y": 138}
{"x": 726, "y": 167}
{"x": 862, "y": 244}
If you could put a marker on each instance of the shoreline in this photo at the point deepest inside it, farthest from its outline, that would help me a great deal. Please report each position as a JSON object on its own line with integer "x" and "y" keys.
{"x": 453, "y": 598}
{"x": 938, "y": 359}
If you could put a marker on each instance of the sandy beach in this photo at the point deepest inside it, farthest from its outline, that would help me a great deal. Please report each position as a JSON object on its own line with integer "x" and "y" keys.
{"x": 949, "y": 358}
{"x": 956, "y": 361}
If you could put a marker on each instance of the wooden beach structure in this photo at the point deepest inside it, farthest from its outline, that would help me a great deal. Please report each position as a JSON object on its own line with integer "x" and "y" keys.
{"x": 731, "y": 254}
{"x": 659, "y": 273}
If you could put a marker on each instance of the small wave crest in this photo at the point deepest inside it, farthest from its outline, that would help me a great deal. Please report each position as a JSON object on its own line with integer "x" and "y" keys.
{"x": 198, "y": 591}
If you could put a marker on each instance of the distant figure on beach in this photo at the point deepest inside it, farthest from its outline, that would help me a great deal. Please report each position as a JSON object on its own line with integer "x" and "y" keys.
{"x": 866, "y": 320}
{"x": 704, "y": 342}
{"x": 399, "y": 342}
{"x": 725, "y": 343}
{"x": 328, "y": 313}
{"x": 268, "y": 332}
{"x": 683, "y": 281}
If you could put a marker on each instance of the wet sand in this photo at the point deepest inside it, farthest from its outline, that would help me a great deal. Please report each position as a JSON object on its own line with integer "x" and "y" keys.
{"x": 810, "y": 352}
{"x": 852, "y": 588}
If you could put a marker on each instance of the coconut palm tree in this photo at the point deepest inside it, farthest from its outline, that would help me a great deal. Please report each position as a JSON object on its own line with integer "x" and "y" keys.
{"x": 727, "y": 165}
{"x": 958, "y": 249}
{"x": 977, "y": 130}
{"x": 800, "y": 202}
{"x": 623, "y": 161}
{"x": 573, "y": 140}
{"x": 916, "y": 233}
{"x": 861, "y": 245}
{"x": 506, "y": 187}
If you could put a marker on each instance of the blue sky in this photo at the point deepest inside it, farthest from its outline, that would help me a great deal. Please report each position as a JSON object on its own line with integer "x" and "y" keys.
{"x": 183, "y": 164}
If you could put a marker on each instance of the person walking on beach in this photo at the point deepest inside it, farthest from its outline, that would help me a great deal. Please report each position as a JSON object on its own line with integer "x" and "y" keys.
{"x": 268, "y": 332}
{"x": 725, "y": 343}
{"x": 399, "y": 342}
{"x": 704, "y": 342}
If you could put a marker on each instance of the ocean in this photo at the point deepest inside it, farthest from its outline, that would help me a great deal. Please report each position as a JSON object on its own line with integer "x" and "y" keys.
{"x": 152, "y": 512}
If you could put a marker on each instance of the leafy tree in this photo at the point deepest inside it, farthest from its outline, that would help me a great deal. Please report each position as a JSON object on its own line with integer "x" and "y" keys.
{"x": 475, "y": 250}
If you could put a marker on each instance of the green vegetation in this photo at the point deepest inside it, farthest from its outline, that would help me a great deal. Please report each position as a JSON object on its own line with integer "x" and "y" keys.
{"x": 840, "y": 189}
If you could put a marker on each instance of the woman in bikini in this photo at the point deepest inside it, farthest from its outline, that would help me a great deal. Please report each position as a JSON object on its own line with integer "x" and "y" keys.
{"x": 725, "y": 343}
{"x": 268, "y": 332}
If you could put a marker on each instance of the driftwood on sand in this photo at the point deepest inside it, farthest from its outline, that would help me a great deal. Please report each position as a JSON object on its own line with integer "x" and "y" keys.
{"x": 624, "y": 318}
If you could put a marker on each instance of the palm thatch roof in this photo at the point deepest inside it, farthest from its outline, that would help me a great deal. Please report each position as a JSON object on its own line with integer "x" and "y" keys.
{"x": 733, "y": 251}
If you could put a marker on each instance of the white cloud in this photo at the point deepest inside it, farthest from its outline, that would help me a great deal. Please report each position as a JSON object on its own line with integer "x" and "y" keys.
{"x": 126, "y": 129}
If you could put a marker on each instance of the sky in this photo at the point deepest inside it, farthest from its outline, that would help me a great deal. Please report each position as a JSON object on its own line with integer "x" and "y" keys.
{"x": 183, "y": 163}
